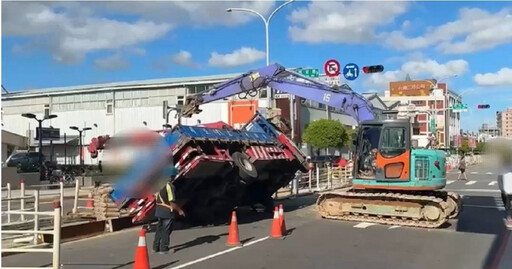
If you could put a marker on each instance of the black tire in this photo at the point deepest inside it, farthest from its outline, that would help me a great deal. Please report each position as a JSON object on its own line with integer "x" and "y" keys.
{"x": 246, "y": 170}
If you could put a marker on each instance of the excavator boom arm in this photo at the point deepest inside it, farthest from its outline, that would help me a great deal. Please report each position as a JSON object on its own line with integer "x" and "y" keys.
{"x": 278, "y": 78}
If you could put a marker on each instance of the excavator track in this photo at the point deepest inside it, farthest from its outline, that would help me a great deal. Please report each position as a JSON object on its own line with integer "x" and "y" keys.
{"x": 424, "y": 211}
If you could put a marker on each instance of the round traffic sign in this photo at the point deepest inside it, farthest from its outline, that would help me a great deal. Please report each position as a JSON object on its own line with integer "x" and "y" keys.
{"x": 332, "y": 68}
{"x": 351, "y": 71}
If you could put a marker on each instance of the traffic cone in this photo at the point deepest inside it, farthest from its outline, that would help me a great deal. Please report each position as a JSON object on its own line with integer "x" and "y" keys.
{"x": 141, "y": 253}
{"x": 281, "y": 219}
{"x": 90, "y": 201}
{"x": 233, "y": 239}
{"x": 276, "y": 232}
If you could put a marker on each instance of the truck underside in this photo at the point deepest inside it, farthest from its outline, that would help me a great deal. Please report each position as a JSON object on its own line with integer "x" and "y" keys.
{"x": 219, "y": 169}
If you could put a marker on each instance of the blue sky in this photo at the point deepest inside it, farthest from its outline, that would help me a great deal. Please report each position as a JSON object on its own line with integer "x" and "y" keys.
{"x": 51, "y": 44}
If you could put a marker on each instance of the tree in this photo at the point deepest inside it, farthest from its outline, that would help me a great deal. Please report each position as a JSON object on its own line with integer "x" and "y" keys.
{"x": 480, "y": 147}
{"x": 326, "y": 134}
{"x": 465, "y": 146}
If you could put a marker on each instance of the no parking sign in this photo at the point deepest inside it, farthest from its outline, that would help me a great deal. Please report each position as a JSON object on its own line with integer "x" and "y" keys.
{"x": 332, "y": 68}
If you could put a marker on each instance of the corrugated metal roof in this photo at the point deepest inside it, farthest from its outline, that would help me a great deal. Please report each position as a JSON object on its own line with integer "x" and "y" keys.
{"x": 120, "y": 86}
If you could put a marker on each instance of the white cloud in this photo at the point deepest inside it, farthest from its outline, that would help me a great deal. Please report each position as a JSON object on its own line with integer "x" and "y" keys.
{"x": 339, "y": 22}
{"x": 199, "y": 13}
{"x": 184, "y": 58}
{"x": 69, "y": 36}
{"x": 501, "y": 78}
{"x": 238, "y": 57}
{"x": 111, "y": 63}
{"x": 417, "y": 68}
{"x": 475, "y": 30}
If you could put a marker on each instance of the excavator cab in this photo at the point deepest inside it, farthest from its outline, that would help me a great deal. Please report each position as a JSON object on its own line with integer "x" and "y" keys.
{"x": 385, "y": 159}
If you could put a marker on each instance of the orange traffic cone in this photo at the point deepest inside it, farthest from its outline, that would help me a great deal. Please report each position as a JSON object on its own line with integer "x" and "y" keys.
{"x": 141, "y": 253}
{"x": 281, "y": 219}
{"x": 90, "y": 201}
{"x": 233, "y": 239}
{"x": 276, "y": 232}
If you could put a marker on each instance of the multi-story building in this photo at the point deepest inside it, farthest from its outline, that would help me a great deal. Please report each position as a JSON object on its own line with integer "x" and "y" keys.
{"x": 432, "y": 104}
{"x": 487, "y": 132}
{"x": 504, "y": 122}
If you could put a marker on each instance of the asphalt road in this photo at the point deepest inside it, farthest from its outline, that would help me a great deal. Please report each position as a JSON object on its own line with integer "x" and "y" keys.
{"x": 476, "y": 240}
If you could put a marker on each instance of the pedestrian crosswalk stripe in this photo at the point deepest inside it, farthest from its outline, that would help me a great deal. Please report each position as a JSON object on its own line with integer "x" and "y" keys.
{"x": 449, "y": 182}
{"x": 492, "y": 183}
{"x": 473, "y": 173}
{"x": 489, "y": 173}
{"x": 471, "y": 182}
{"x": 364, "y": 225}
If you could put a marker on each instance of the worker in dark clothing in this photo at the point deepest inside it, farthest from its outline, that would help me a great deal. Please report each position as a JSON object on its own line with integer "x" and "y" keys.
{"x": 165, "y": 212}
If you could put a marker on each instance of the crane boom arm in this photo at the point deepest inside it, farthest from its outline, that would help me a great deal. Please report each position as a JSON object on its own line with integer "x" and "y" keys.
{"x": 278, "y": 78}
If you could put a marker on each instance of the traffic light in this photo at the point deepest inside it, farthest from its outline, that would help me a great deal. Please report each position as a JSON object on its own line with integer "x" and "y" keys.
{"x": 373, "y": 69}
{"x": 483, "y": 106}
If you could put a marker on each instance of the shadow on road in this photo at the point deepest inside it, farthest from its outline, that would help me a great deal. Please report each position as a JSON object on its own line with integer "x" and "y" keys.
{"x": 162, "y": 266}
{"x": 480, "y": 214}
{"x": 198, "y": 241}
{"x": 94, "y": 265}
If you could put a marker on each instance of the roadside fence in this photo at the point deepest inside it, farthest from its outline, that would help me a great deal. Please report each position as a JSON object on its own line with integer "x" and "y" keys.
{"x": 55, "y": 215}
{"x": 318, "y": 179}
{"x": 14, "y": 198}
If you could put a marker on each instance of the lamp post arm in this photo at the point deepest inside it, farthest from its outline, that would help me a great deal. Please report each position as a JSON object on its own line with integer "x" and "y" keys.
{"x": 250, "y": 11}
{"x": 277, "y": 9}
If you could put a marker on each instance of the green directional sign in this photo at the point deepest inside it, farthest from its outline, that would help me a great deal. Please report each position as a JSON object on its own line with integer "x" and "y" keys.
{"x": 308, "y": 72}
{"x": 432, "y": 125}
{"x": 459, "y": 107}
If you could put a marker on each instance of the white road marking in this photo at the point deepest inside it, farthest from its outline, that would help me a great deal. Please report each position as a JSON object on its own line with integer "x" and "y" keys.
{"x": 364, "y": 225}
{"x": 473, "y": 173}
{"x": 500, "y": 208}
{"x": 471, "y": 182}
{"x": 492, "y": 183}
{"x": 218, "y": 253}
{"x": 449, "y": 182}
{"x": 394, "y": 227}
{"x": 474, "y": 190}
{"x": 488, "y": 173}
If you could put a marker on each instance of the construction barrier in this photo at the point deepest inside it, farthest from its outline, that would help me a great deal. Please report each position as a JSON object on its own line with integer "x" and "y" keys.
{"x": 83, "y": 203}
{"x": 8, "y": 192}
{"x": 55, "y": 232}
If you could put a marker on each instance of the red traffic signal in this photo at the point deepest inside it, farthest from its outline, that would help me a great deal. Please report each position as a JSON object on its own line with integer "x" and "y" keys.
{"x": 373, "y": 69}
{"x": 483, "y": 106}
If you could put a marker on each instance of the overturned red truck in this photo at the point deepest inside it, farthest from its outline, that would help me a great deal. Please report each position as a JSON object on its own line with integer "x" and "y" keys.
{"x": 218, "y": 169}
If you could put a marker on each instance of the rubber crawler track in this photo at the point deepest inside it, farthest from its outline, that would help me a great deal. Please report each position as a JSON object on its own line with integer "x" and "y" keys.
{"x": 438, "y": 202}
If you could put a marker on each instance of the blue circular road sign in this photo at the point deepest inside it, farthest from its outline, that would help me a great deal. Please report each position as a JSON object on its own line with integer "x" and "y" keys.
{"x": 351, "y": 71}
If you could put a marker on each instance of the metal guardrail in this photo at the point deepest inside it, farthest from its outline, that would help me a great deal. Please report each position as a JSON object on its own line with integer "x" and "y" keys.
{"x": 22, "y": 198}
{"x": 56, "y": 215}
{"x": 319, "y": 179}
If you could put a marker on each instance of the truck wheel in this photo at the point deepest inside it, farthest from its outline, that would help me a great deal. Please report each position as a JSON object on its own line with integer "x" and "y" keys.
{"x": 246, "y": 169}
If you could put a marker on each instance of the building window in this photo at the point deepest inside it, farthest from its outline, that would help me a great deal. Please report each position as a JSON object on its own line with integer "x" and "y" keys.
{"x": 46, "y": 110}
{"x": 180, "y": 100}
{"x": 110, "y": 107}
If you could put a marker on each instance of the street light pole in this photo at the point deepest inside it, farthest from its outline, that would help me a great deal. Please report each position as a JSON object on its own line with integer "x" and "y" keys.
{"x": 266, "y": 21}
{"x": 40, "y": 136}
{"x": 434, "y": 88}
{"x": 80, "y": 138}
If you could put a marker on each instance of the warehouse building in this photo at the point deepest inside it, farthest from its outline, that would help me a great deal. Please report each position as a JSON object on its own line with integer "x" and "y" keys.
{"x": 114, "y": 108}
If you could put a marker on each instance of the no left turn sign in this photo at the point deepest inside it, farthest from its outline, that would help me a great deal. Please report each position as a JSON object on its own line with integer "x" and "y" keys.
{"x": 332, "y": 68}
